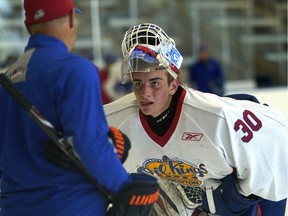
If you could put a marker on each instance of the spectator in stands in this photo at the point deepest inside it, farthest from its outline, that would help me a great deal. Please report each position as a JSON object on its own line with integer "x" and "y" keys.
{"x": 113, "y": 86}
{"x": 206, "y": 73}
{"x": 108, "y": 60}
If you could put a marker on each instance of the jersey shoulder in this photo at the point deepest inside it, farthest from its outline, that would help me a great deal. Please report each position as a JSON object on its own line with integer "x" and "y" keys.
{"x": 226, "y": 107}
{"x": 124, "y": 103}
{"x": 203, "y": 102}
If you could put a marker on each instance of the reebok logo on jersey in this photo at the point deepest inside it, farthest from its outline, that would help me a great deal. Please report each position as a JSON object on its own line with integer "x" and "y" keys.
{"x": 192, "y": 136}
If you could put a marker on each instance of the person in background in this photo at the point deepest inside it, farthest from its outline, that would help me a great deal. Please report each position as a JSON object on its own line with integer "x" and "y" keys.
{"x": 65, "y": 88}
{"x": 104, "y": 76}
{"x": 113, "y": 85}
{"x": 206, "y": 74}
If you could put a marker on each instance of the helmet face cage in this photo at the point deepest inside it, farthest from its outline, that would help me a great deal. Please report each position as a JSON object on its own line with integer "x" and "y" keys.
{"x": 146, "y": 34}
{"x": 151, "y": 39}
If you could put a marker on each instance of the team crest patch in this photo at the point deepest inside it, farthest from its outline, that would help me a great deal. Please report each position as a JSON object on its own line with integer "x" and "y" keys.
{"x": 174, "y": 170}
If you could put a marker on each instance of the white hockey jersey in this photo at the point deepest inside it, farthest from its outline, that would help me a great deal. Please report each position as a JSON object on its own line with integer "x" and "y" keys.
{"x": 209, "y": 137}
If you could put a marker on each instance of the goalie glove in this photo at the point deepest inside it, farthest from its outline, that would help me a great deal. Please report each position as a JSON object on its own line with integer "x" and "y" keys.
{"x": 173, "y": 201}
{"x": 191, "y": 196}
{"x": 137, "y": 198}
{"x": 121, "y": 143}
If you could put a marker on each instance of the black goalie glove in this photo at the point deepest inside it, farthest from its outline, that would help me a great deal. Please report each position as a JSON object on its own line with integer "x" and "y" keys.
{"x": 136, "y": 198}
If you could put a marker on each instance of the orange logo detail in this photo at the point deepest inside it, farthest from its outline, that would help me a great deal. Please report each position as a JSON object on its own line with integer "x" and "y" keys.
{"x": 144, "y": 199}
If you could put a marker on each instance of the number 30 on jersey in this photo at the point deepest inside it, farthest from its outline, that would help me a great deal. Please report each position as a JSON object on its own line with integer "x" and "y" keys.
{"x": 249, "y": 124}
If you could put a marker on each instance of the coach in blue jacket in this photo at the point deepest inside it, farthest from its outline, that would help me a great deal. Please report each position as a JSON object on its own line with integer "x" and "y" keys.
{"x": 65, "y": 88}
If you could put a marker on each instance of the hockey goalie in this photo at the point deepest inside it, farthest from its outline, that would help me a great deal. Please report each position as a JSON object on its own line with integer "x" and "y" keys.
{"x": 212, "y": 155}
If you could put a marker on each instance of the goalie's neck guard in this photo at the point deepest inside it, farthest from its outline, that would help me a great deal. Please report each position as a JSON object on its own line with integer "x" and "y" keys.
{"x": 145, "y": 48}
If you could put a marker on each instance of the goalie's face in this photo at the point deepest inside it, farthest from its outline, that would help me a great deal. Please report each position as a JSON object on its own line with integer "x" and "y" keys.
{"x": 153, "y": 91}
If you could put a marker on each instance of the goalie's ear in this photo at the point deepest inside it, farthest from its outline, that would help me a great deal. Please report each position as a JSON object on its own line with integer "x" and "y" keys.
{"x": 121, "y": 142}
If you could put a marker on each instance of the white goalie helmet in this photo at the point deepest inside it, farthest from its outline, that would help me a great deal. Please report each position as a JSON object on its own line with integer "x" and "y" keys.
{"x": 147, "y": 47}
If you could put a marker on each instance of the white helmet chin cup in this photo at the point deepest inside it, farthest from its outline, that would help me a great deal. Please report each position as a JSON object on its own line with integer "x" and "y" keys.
{"x": 151, "y": 44}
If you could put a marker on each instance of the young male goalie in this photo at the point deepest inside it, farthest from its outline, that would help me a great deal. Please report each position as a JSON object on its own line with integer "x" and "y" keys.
{"x": 212, "y": 154}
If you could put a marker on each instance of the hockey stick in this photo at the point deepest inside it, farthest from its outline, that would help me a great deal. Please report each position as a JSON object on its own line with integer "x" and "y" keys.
{"x": 49, "y": 129}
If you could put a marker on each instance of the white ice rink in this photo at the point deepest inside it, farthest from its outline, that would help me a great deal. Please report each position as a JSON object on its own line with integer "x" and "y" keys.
{"x": 276, "y": 97}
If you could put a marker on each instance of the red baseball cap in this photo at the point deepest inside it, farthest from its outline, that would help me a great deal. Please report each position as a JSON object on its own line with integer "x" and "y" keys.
{"x": 38, "y": 11}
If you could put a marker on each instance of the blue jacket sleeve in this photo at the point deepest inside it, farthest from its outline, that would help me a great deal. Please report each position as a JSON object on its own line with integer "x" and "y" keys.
{"x": 83, "y": 120}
